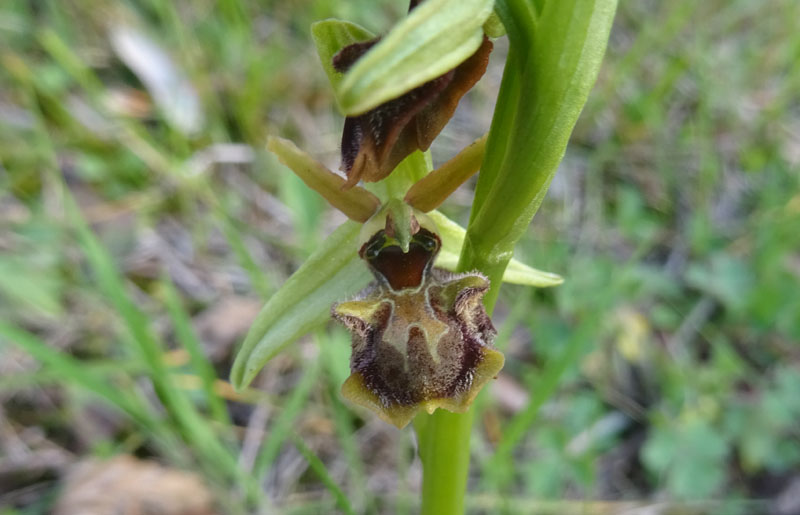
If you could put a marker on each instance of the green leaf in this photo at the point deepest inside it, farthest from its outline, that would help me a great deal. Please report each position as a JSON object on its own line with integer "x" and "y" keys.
{"x": 168, "y": 86}
{"x": 319, "y": 468}
{"x": 304, "y": 301}
{"x": 282, "y": 426}
{"x": 332, "y": 35}
{"x": 520, "y": 273}
{"x": 552, "y": 64}
{"x": 452, "y": 236}
{"x": 142, "y": 340}
{"x": 434, "y": 38}
{"x": 72, "y": 371}
{"x": 726, "y": 278}
{"x": 186, "y": 336}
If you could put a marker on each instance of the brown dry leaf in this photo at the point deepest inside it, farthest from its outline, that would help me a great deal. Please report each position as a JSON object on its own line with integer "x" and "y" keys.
{"x": 127, "y": 486}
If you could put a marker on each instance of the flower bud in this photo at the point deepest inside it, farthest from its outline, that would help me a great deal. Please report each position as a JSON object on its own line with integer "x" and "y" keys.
{"x": 375, "y": 142}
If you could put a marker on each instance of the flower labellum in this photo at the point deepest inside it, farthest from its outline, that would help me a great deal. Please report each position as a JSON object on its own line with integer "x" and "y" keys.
{"x": 421, "y": 337}
{"x": 375, "y": 142}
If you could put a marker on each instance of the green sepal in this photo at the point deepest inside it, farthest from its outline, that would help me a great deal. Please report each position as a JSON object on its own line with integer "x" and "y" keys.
{"x": 517, "y": 272}
{"x": 434, "y": 38}
{"x": 493, "y": 27}
{"x": 331, "y": 274}
{"x": 332, "y": 35}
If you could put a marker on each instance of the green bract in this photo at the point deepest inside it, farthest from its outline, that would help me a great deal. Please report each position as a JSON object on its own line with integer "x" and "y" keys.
{"x": 304, "y": 301}
{"x": 332, "y": 35}
{"x": 516, "y": 273}
{"x": 436, "y": 36}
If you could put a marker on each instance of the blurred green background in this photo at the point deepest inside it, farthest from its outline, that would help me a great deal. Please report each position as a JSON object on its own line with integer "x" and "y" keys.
{"x": 665, "y": 369}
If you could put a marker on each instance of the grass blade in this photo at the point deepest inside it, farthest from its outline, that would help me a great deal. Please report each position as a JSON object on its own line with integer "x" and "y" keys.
{"x": 319, "y": 468}
{"x": 202, "y": 366}
{"x": 282, "y": 427}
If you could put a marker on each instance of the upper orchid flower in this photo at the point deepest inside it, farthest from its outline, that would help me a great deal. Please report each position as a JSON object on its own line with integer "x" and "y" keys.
{"x": 374, "y": 143}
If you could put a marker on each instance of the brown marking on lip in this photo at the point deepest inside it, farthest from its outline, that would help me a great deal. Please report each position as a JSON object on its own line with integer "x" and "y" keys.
{"x": 400, "y": 269}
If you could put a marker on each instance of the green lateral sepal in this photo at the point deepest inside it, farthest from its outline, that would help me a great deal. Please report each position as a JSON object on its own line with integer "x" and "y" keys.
{"x": 516, "y": 272}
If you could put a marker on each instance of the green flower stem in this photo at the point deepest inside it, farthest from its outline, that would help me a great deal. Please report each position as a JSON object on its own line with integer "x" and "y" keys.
{"x": 444, "y": 451}
{"x": 410, "y": 170}
{"x": 555, "y": 52}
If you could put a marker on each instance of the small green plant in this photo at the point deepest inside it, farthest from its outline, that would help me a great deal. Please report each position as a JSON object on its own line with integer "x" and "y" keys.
{"x": 397, "y": 92}
{"x": 670, "y": 351}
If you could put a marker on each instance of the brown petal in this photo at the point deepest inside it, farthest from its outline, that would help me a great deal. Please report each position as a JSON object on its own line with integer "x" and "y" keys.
{"x": 347, "y": 56}
{"x": 374, "y": 143}
{"x": 436, "y": 115}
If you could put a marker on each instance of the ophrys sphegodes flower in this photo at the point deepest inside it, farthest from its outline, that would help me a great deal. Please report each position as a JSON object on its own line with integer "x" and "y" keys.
{"x": 421, "y": 337}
